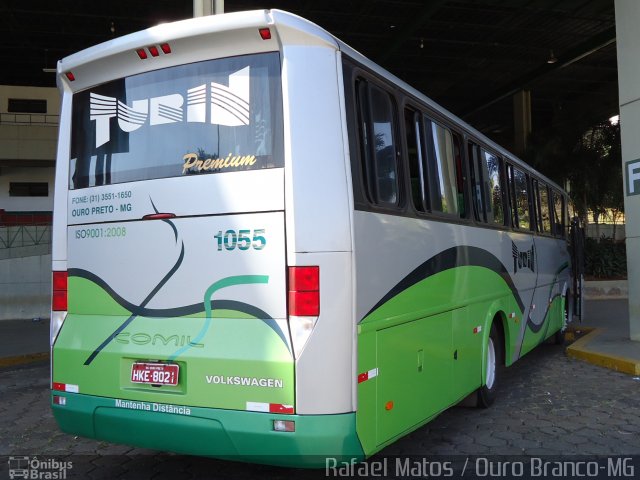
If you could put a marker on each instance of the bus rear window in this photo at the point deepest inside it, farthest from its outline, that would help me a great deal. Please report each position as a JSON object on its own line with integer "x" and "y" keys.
{"x": 209, "y": 117}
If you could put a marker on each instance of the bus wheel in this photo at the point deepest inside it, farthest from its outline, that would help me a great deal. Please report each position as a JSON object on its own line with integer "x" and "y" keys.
{"x": 493, "y": 362}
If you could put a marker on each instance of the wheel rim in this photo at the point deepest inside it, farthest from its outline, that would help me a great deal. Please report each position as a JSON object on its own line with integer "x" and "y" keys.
{"x": 568, "y": 311}
{"x": 491, "y": 364}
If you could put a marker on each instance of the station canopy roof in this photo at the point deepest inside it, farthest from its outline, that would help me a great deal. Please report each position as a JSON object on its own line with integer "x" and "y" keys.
{"x": 468, "y": 55}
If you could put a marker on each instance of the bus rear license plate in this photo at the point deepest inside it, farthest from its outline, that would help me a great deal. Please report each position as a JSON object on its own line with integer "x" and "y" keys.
{"x": 155, "y": 373}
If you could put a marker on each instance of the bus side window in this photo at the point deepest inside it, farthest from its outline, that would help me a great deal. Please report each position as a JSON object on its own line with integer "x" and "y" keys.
{"x": 460, "y": 178}
{"x": 364, "y": 135}
{"x": 377, "y": 144}
{"x": 385, "y": 150}
{"x": 537, "y": 212}
{"x": 558, "y": 214}
{"x": 492, "y": 181}
{"x": 443, "y": 185}
{"x": 487, "y": 186}
{"x": 542, "y": 208}
{"x": 413, "y": 129}
{"x": 476, "y": 184}
{"x": 519, "y": 190}
{"x": 513, "y": 218}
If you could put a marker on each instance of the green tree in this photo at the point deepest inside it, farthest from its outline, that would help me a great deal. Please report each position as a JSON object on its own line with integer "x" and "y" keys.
{"x": 585, "y": 154}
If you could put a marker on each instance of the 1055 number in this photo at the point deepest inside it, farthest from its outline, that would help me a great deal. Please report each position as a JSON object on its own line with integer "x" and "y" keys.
{"x": 241, "y": 239}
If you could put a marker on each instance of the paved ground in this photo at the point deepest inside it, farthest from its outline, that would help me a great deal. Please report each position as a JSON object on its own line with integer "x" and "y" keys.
{"x": 548, "y": 404}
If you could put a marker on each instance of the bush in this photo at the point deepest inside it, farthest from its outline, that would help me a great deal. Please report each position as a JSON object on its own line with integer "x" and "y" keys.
{"x": 605, "y": 258}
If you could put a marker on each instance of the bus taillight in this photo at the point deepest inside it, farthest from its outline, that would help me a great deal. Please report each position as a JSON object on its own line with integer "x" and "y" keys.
{"x": 59, "y": 294}
{"x": 153, "y": 51}
{"x": 58, "y": 304}
{"x": 265, "y": 33}
{"x": 304, "y": 291}
{"x": 304, "y": 304}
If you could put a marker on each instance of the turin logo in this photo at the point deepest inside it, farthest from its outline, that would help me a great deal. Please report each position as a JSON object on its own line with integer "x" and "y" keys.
{"x": 228, "y": 106}
{"x": 526, "y": 259}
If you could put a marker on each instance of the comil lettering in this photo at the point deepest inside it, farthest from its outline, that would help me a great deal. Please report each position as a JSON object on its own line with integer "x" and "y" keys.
{"x": 227, "y": 106}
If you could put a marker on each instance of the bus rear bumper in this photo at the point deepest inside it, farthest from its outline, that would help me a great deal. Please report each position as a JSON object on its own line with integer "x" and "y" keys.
{"x": 229, "y": 434}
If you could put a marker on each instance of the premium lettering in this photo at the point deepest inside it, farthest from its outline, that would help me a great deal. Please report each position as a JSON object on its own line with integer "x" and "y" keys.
{"x": 193, "y": 164}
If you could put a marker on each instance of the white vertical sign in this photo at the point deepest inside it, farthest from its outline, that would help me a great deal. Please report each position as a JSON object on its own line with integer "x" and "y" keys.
{"x": 633, "y": 177}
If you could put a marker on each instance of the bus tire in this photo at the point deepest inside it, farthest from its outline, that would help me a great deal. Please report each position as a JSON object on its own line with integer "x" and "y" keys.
{"x": 493, "y": 361}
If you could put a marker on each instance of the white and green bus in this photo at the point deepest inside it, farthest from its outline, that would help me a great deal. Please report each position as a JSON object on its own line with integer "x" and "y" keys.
{"x": 268, "y": 248}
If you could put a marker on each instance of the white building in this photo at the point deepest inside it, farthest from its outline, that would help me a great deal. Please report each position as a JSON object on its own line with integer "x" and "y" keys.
{"x": 28, "y": 136}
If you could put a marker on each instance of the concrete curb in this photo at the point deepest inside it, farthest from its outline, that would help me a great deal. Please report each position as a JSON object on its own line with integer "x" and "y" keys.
{"x": 579, "y": 350}
{"x": 23, "y": 359}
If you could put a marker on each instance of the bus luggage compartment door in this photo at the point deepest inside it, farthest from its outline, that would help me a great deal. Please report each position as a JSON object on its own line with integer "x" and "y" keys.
{"x": 417, "y": 361}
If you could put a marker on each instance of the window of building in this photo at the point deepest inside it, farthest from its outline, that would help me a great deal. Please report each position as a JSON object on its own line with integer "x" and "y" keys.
{"x": 27, "y": 105}
{"x": 28, "y": 189}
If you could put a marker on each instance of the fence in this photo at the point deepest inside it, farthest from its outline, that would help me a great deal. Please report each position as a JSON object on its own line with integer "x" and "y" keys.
{"x": 29, "y": 119}
{"x": 606, "y": 230}
{"x": 25, "y": 267}
{"x": 25, "y": 235}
